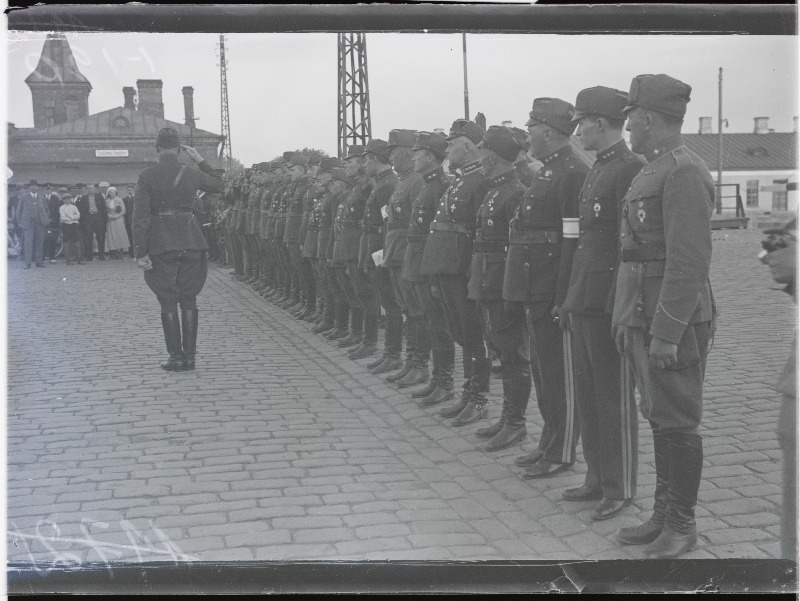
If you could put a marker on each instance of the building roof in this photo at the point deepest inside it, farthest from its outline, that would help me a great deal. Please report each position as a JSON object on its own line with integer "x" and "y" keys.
{"x": 57, "y": 64}
{"x": 82, "y": 173}
{"x": 117, "y": 122}
{"x": 746, "y": 152}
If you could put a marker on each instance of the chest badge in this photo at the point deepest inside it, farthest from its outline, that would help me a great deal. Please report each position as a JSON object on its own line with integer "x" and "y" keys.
{"x": 642, "y": 215}
{"x": 398, "y": 208}
{"x": 419, "y": 220}
{"x": 548, "y": 173}
{"x": 490, "y": 222}
{"x": 597, "y": 208}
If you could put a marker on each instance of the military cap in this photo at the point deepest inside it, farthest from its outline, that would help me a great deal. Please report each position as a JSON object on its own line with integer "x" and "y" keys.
{"x": 168, "y": 138}
{"x": 467, "y": 128}
{"x": 330, "y": 163}
{"x": 521, "y": 136}
{"x": 432, "y": 141}
{"x": 378, "y": 148}
{"x": 502, "y": 141}
{"x": 600, "y": 101}
{"x": 340, "y": 174}
{"x": 660, "y": 93}
{"x": 33, "y": 182}
{"x": 354, "y": 151}
{"x": 401, "y": 137}
{"x": 553, "y": 112}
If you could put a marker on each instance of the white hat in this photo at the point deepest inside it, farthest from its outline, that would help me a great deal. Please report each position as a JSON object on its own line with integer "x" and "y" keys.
{"x": 104, "y": 184}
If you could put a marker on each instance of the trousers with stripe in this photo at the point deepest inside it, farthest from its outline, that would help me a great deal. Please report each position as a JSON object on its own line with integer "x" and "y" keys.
{"x": 556, "y": 399}
{"x": 606, "y": 406}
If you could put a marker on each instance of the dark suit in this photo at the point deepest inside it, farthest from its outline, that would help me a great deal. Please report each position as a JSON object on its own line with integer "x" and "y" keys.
{"x": 94, "y": 225}
{"x": 51, "y": 236}
{"x": 128, "y": 201}
{"x": 33, "y": 219}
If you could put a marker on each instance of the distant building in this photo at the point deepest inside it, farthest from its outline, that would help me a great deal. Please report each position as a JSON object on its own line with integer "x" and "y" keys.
{"x": 67, "y": 145}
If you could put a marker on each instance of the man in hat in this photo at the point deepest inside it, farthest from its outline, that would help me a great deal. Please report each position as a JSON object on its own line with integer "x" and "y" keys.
{"x": 336, "y": 311}
{"x": 504, "y": 325}
{"x": 544, "y": 234}
{"x": 97, "y": 218}
{"x": 322, "y": 318}
{"x": 54, "y": 227}
{"x": 313, "y": 193}
{"x": 291, "y": 175}
{"x": 347, "y": 237}
{"x": 267, "y": 257}
{"x": 433, "y": 337}
{"x": 398, "y": 214}
{"x": 603, "y": 394}
{"x": 294, "y": 221}
{"x": 252, "y": 221}
{"x": 130, "y": 193}
{"x": 663, "y": 308}
{"x": 234, "y": 198}
{"x": 340, "y": 186}
{"x": 384, "y": 181}
{"x": 447, "y": 256}
{"x": 33, "y": 219}
{"x": 169, "y": 243}
{"x": 276, "y": 289}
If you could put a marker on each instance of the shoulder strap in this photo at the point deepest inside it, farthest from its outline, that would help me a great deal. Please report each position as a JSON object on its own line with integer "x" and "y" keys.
{"x": 179, "y": 176}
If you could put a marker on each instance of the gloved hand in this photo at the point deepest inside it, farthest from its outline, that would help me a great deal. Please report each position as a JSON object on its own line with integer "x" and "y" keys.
{"x": 144, "y": 263}
{"x": 561, "y": 318}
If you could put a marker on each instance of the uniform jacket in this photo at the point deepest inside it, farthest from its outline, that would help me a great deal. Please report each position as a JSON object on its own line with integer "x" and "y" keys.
{"x": 594, "y": 264}
{"x": 309, "y": 232}
{"x": 347, "y": 225}
{"x": 274, "y": 207}
{"x": 423, "y": 210}
{"x": 543, "y": 234}
{"x": 487, "y": 267}
{"x": 162, "y": 212}
{"x": 266, "y": 205}
{"x": 53, "y": 204}
{"x": 333, "y": 210}
{"x": 524, "y": 173}
{"x": 241, "y": 208}
{"x": 33, "y": 209}
{"x": 323, "y": 222}
{"x": 282, "y": 210}
{"x": 399, "y": 213}
{"x": 448, "y": 249}
{"x": 373, "y": 231}
{"x": 254, "y": 210}
{"x": 665, "y": 241}
{"x": 294, "y": 212}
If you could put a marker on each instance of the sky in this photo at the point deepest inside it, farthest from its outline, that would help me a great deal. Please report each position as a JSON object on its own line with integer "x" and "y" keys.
{"x": 283, "y": 87}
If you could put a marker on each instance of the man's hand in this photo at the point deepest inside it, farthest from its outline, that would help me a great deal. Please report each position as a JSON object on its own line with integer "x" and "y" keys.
{"x": 144, "y": 263}
{"x": 193, "y": 154}
{"x": 620, "y": 339}
{"x": 561, "y": 318}
{"x": 663, "y": 354}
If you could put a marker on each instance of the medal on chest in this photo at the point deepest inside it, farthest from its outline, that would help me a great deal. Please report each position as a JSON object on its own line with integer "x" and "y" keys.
{"x": 596, "y": 208}
{"x": 641, "y": 213}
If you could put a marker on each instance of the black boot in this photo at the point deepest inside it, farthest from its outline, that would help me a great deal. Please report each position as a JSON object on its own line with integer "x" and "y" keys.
{"x": 356, "y": 328}
{"x": 649, "y": 531}
{"x": 679, "y": 534}
{"x": 189, "y": 324}
{"x": 433, "y": 384}
{"x": 443, "y": 378}
{"x": 459, "y": 406}
{"x": 479, "y": 388}
{"x": 519, "y": 390}
{"x": 171, "y": 324}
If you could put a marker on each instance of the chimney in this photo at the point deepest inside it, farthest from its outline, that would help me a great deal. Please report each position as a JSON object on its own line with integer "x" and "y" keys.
{"x": 506, "y": 123}
{"x": 705, "y": 125}
{"x": 761, "y": 125}
{"x": 188, "y": 105}
{"x": 128, "y": 92}
{"x": 150, "y": 101}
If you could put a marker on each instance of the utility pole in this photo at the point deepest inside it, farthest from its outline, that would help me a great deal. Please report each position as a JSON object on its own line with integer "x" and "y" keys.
{"x": 227, "y": 154}
{"x": 718, "y": 203}
{"x": 354, "y": 122}
{"x": 466, "y": 87}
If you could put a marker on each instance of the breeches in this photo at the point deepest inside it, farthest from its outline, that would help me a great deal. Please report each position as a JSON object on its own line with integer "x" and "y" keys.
{"x": 177, "y": 277}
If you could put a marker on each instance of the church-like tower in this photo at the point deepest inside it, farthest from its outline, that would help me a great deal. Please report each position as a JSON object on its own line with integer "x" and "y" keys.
{"x": 59, "y": 91}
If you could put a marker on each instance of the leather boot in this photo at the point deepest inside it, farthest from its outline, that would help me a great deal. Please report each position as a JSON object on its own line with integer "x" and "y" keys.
{"x": 416, "y": 375}
{"x": 519, "y": 389}
{"x": 458, "y": 407}
{"x": 478, "y": 407}
{"x": 471, "y": 414}
{"x": 323, "y": 326}
{"x": 373, "y": 364}
{"x": 646, "y": 533}
{"x": 389, "y": 364}
{"x": 356, "y": 325}
{"x": 679, "y": 534}
{"x": 447, "y": 360}
{"x": 170, "y": 322}
{"x": 433, "y": 384}
{"x": 407, "y": 367}
{"x": 495, "y": 428}
{"x": 439, "y": 395}
{"x": 366, "y": 349}
{"x": 189, "y": 325}
{"x": 342, "y": 319}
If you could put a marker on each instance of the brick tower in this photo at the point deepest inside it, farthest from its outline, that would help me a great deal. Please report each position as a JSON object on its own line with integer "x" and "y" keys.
{"x": 59, "y": 91}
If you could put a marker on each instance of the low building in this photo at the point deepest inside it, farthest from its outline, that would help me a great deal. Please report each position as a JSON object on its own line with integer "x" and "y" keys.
{"x": 66, "y": 145}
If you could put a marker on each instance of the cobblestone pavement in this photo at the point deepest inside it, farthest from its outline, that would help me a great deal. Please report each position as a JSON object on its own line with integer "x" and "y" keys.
{"x": 278, "y": 447}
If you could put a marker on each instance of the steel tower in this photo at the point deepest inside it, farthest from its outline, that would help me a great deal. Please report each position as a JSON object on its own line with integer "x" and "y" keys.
{"x": 355, "y": 125}
{"x": 225, "y": 152}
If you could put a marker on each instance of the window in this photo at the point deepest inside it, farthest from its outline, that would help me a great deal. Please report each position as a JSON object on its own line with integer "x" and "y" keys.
{"x": 752, "y": 193}
{"x": 779, "y": 199}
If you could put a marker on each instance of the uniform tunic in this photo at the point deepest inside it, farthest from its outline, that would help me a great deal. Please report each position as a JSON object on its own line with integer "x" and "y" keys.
{"x": 399, "y": 208}
{"x": 347, "y": 226}
{"x": 603, "y": 386}
{"x": 372, "y": 225}
{"x": 309, "y": 232}
{"x": 662, "y": 285}
{"x": 423, "y": 209}
{"x": 294, "y": 213}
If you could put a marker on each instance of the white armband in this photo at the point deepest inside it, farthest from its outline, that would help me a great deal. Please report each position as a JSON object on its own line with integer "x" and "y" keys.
{"x": 571, "y": 227}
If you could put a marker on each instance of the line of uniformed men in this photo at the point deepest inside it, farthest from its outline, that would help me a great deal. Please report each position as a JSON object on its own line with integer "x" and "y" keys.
{"x": 499, "y": 257}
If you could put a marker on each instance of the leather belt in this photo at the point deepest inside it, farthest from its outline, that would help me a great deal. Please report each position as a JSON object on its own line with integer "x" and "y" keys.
{"x": 534, "y": 237}
{"x": 398, "y": 226}
{"x": 370, "y": 229}
{"x": 490, "y": 246}
{"x": 643, "y": 254}
{"x": 449, "y": 227}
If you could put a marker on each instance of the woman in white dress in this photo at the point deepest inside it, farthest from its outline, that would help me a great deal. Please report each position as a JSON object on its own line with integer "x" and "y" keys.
{"x": 116, "y": 236}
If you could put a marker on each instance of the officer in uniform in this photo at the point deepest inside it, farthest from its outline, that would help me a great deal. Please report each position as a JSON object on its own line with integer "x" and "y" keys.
{"x": 240, "y": 191}
{"x": 266, "y": 254}
{"x": 524, "y": 171}
{"x": 384, "y": 181}
{"x": 280, "y": 293}
{"x": 307, "y": 269}
{"x": 398, "y": 214}
{"x": 663, "y": 309}
{"x": 447, "y": 256}
{"x": 544, "y": 234}
{"x": 251, "y": 224}
{"x": 428, "y": 154}
{"x": 309, "y": 234}
{"x": 340, "y": 186}
{"x": 603, "y": 386}
{"x": 169, "y": 243}
{"x": 504, "y": 323}
{"x": 294, "y": 220}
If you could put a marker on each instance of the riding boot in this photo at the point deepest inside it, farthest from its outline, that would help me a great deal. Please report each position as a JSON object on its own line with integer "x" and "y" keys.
{"x": 650, "y": 530}
{"x": 492, "y": 430}
{"x": 356, "y": 328}
{"x": 479, "y": 388}
{"x": 189, "y": 324}
{"x": 170, "y": 322}
{"x": 328, "y": 321}
{"x": 458, "y": 407}
{"x": 433, "y": 384}
{"x": 444, "y": 379}
{"x": 519, "y": 390}
{"x": 369, "y": 343}
{"x": 679, "y": 534}
{"x": 342, "y": 317}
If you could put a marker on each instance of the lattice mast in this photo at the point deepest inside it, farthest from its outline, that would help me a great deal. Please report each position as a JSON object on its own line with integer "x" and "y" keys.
{"x": 226, "y": 154}
{"x": 355, "y": 125}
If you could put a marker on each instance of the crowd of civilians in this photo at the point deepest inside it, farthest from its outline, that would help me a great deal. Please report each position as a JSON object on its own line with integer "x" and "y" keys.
{"x": 93, "y": 220}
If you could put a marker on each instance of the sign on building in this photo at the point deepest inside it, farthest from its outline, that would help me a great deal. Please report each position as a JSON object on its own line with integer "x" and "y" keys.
{"x": 111, "y": 153}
